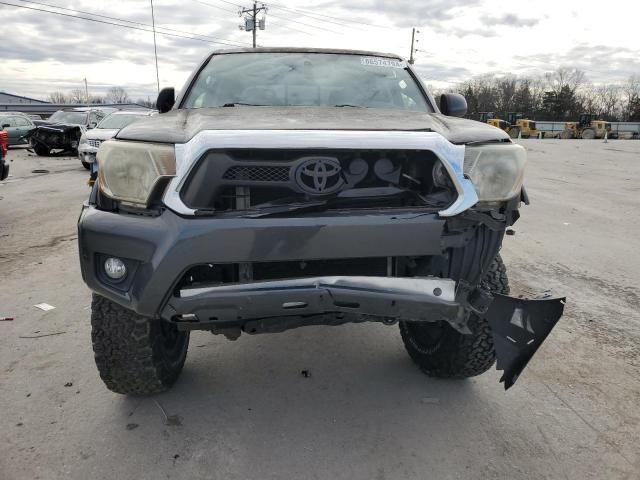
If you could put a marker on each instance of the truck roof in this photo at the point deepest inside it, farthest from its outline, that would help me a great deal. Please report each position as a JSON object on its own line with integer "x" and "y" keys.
{"x": 306, "y": 50}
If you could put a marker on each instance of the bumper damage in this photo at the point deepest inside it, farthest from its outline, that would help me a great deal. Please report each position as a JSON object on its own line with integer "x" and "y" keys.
{"x": 519, "y": 326}
{"x": 270, "y": 306}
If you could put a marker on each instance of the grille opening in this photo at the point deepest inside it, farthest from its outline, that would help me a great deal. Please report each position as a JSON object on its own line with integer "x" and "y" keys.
{"x": 239, "y": 180}
{"x": 230, "y": 273}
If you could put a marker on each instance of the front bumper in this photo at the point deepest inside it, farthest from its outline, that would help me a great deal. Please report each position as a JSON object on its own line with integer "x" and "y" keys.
{"x": 86, "y": 153}
{"x": 161, "y": 249}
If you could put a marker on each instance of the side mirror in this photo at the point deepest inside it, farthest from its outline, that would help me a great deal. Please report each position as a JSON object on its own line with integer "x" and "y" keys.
{"x": 5, "y": 125}
{"x": 453, "y": 104}
{"x": 166, "y": 100}
{"x": 93, "y": 125}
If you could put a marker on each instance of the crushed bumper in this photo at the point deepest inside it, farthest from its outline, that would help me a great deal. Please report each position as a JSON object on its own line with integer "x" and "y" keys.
{"x": 262, "y": 306}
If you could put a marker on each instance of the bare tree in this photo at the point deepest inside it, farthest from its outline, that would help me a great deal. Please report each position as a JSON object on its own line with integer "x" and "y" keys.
{"x": 117, "y": 95}
{"x": 565, "y": 78}
{"x": 506, "y": 91}
{"x": 631, "y": 91}
{"x": 608, "y": 99}
{"x": 588, "y": 98}
{"x": 58, "y": 97}
{"x": 77, "y": 95}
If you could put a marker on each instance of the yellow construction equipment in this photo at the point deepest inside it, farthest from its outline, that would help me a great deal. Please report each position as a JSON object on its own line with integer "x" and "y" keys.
{"x": 587, "y": 128}
{"x": 516, "y": 126}
{"x": 524, "y": 128}
{"x": 498, "y": 123}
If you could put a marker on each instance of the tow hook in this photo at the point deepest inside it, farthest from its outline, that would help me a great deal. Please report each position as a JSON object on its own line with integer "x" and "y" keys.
{"x": 519, "y": 327}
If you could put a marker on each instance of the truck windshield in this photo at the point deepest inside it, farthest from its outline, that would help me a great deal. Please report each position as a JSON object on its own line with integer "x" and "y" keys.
{"x": 118, "y": 120}
{"x": 305, "y": 79}
{"x": 75, "y": 118}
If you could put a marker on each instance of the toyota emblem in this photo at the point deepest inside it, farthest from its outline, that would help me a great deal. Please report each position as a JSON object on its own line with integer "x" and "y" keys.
{"x": 319, "y": 175}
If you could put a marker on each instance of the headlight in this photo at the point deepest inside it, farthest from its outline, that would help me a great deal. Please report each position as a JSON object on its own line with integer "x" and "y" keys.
{"x": 129, "y": 171}
{"x": 83, "y": 139}
{"x": 497, "y": 171}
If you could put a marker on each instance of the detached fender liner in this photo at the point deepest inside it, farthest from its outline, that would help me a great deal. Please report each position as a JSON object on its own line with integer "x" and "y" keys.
{"x": 519, "y": 327}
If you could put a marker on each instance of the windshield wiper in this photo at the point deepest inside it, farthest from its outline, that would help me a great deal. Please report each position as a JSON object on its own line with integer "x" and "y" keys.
{"x": 235, "y": 104}
{"x": 349, "y": 105}
{"x": 280, "y": 209}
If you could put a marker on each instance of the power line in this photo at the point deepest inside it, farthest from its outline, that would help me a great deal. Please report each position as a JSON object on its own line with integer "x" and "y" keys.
{"x": 288, "y": 27}
{"x": 343, "y": 21}
{"x": 194, "y": 36}
{"x": 306, "y": 24}
{"x": 310, "y": 15}
{"x": 216, "y": 6}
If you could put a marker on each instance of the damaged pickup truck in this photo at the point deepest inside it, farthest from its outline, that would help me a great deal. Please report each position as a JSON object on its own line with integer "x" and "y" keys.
{"x": 293, "y": 187}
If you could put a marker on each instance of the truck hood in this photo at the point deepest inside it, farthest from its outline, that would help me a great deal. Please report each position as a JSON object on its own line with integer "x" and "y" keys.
{"x": 180, "y": 126}
{"x": 59, "y": 127}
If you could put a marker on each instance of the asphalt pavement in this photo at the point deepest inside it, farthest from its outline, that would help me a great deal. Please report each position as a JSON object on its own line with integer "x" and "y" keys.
{"x": 244, "y": 410}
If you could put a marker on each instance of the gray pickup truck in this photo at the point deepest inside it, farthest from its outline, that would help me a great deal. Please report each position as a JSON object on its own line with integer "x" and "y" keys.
{"x": 292, "y": 187}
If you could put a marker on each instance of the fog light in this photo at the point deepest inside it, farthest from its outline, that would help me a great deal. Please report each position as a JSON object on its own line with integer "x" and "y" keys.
{"x": 115, "y": 268}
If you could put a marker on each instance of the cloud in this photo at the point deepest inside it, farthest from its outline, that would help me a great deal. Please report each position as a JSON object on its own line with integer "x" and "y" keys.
{"x": 401, "y": 13}
{"x": 459, "y": 39}
{"x": 508, "y": 19}
{"x": 601, "y": 63}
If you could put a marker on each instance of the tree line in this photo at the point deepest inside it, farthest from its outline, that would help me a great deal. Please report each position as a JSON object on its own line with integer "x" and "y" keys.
{"x": 115, "y": 95}
{"x": 561, "y": 95}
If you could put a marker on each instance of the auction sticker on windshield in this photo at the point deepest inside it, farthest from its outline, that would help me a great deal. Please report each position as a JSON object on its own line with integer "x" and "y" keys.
{"x": 381, "y": 62}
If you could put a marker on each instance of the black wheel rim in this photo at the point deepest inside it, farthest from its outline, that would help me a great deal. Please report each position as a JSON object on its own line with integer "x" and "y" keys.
{"x": 429, "y": 336}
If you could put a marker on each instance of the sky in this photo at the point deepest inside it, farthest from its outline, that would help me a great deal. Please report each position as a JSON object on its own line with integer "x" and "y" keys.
{"x": 41, "y": 52}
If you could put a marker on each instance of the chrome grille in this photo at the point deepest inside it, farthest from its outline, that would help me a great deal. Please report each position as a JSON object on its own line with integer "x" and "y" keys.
{"x": 257, "y": 173}
{"x": 94, "y": 143}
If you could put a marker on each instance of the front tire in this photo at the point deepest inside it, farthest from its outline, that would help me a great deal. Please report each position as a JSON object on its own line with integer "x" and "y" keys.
{"x": 135, "y": 355}
{"x": 588, "y": 134}
{"x": 441, "y": 351}
{"x": 41, "y": 150}
{"x": 86, "y": 165}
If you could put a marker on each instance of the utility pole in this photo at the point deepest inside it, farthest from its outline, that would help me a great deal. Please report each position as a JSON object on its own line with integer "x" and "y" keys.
{"x": 251, "y": 22}
{"x": 86, "y": 90}
{"x": 155, "y": 46}
{"x": 412, "y": 60}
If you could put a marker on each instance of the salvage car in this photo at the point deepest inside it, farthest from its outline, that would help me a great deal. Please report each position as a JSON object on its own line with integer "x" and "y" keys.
{"x": 62, "y": 131}
{"x": 91, "y": 139}
{"x": 293, "y": 187}
{"x": 18, "y": 126}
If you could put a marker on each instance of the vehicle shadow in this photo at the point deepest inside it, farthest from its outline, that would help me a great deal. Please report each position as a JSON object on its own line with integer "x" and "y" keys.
{"x": 362, "y": 410}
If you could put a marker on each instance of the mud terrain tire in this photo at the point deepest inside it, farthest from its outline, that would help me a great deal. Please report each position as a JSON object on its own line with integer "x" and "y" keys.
{"x": 135, "y": 355}
{"x": 441, "y": 351}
